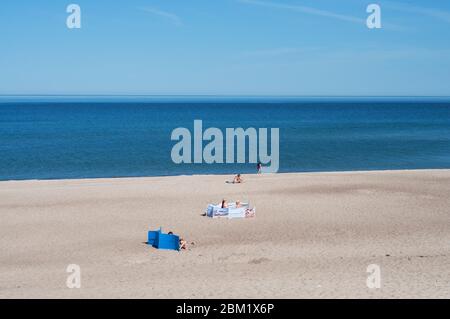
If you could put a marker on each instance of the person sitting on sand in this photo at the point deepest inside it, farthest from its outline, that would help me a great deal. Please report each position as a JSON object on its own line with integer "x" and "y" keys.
{"x": 224, "y": 204}
{"x": 183, "y": 243}
{"x": 238, "y": 204}
{"x": 237, "y": 179}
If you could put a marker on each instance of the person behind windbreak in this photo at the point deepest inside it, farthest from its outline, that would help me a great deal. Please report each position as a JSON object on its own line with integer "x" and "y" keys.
{"x": 183, "y": 243}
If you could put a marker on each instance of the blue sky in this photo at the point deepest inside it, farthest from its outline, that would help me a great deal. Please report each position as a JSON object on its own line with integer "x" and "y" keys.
{"x": 225, "y": 47}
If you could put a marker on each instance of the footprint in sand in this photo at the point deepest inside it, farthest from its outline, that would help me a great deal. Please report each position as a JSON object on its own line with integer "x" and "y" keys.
{"x": 259, "y": 260}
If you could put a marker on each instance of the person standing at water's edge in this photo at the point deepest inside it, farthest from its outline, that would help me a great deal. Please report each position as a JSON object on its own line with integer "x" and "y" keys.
{"x": 258, "y": 168}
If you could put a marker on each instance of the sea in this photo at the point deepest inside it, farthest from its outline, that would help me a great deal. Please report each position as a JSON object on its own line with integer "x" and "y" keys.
{"x": 44, "y": 137}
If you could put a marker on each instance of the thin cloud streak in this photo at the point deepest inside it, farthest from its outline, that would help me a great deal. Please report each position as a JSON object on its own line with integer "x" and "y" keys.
{"x": 307, "y": 10}
{"x": 167, "y": 15}
{"x": 430, "y": 12}
{"x": 318, "y": 12}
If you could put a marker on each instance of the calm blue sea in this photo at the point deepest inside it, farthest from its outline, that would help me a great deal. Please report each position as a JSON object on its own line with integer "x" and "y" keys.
{"x": 110, "y": 138}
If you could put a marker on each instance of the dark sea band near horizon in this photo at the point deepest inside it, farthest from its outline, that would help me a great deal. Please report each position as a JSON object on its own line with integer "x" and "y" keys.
{"x": 44, "y": 137}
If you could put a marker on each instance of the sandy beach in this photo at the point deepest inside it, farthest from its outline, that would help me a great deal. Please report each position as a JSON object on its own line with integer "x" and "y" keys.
{"x": 313, "y": 236}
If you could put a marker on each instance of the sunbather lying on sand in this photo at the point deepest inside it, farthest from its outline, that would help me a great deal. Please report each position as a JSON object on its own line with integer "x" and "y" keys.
{"x": 249, "y": 212}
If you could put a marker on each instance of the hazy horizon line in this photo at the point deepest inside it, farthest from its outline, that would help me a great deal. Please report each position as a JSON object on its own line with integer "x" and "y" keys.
{"x": 220, "y": 95}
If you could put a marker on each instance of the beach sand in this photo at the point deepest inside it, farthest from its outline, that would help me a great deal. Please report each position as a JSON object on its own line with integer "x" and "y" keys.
{"x": 314, "y": 235}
